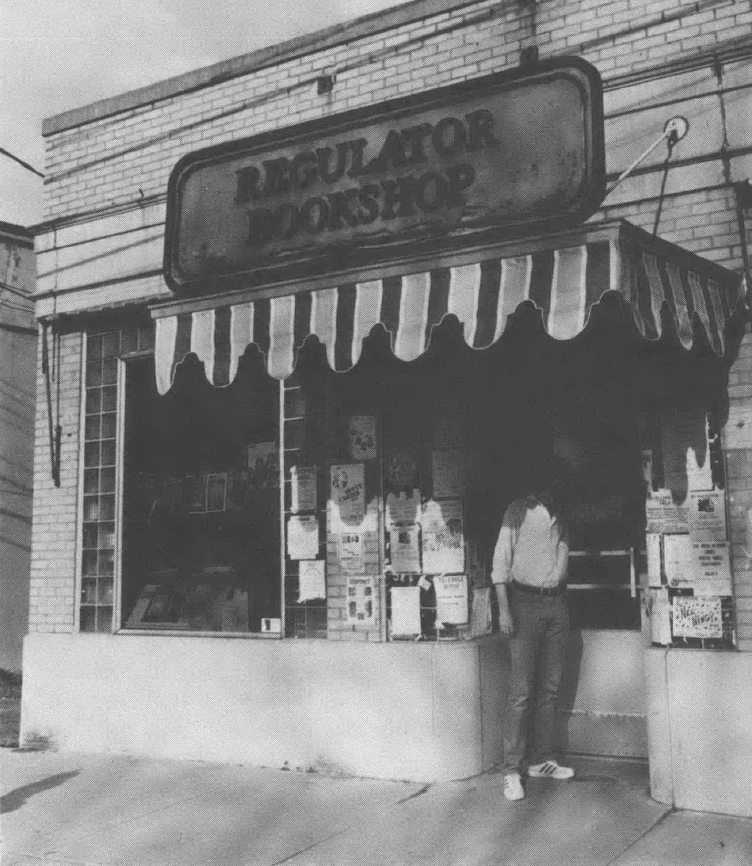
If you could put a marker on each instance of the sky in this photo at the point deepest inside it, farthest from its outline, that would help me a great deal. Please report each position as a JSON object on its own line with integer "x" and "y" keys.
{"x": 64, "y": 54}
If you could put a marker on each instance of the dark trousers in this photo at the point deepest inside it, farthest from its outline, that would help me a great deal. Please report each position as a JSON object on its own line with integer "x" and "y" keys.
{"x": 538, "y": 651}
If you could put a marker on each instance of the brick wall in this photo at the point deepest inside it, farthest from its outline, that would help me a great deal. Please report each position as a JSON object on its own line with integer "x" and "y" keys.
{"x": 55, "y": 510}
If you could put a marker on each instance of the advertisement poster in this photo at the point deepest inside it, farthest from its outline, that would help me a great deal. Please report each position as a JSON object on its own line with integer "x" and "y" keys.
{"x": 351, "y": 553}
{"x": 403, "y": 469}
{"x": 405, "y": 611}
{"x": 707, "y": 515}
{"x": 653, "y": 542}
{"x": 451, "y": 598}
{"x": 360, "y": 600}
{"x": 448, "y": 473}
{"x": 263, "y": 462}
{"x": 697, "y": 617}
{"x": 402, "y": 507}
{"x": 303, "y": 537}
{"x": 659, "y": 614}
{"x": 711, "y": 574}
{"x": 443, "y": 537}
{"x": 362, "y": 437}
{"x": 348, "y": 492}
{"x": 405, "y": 548}
{"x": 311, "y": 579}
{"x": 677, "y": 559}
{"x": 664, "y": 516}
{"x": 303, "y": 493}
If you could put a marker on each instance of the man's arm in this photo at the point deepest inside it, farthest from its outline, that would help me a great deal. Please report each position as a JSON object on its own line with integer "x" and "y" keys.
{"x": 502, "y": 566}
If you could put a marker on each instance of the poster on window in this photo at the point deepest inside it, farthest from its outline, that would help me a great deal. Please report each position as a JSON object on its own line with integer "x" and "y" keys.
{"x": 361, "y": 608}
{"x": 711, "y": 572}
{"x": 697, "y": 617}
{"x": 677, "y": 559}
{"x": 303, "y": 488}
{"x": 402, "y": 507}
{"x": 348, "y": 489}
{"x": 664, "y": 516}
{"x": 403, "y": 469}
{"x": 653, "y": 544}
{"x": 263, "y": 462}
{"x": 451, "y": 598}
{"x": 405, "y": 611}
{"x": 707, "y": 515}
{"x": 303, "y": 536}
{"x": 351, "y": 553}
{"x": 405, "y": 548}
{"x": 361, "y": 435}
{"x": 448, "y": 467}
{"x": 311, "y": 579}
{"x": 443, "y": 537}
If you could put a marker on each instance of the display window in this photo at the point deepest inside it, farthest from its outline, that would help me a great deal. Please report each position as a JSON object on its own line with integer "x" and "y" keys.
{"x": 201, "y": 544}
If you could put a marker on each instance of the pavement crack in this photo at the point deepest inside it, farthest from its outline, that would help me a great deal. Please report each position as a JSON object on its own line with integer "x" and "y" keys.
{"x": 657, "y": 823}
{"x": 413, "y": 795}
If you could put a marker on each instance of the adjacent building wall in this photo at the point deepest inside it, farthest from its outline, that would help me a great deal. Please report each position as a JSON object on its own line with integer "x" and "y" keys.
{"x": 17, "y": 356}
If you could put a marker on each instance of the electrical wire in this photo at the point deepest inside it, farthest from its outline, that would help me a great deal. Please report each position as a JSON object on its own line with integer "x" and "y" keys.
{"x": 17, "y": 159}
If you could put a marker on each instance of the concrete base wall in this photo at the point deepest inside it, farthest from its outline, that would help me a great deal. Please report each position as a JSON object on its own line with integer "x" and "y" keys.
{"x": 420, "y": 711}
{"x": 699, "y": 728}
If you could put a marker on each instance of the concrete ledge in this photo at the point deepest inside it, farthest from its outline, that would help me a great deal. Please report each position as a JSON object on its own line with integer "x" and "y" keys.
{"x": 393, "y": 711}
{"x": 699, "y": 722}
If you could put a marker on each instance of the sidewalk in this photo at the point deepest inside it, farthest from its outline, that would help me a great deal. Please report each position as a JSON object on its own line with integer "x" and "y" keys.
{"x": 85, "y": 809}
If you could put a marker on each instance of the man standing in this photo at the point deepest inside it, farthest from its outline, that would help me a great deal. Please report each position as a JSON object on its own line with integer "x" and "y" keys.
{"x": 529, "y": 573}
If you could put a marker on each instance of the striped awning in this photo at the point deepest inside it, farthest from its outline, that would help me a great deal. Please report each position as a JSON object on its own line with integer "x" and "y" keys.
{"x": 563, "y": 282}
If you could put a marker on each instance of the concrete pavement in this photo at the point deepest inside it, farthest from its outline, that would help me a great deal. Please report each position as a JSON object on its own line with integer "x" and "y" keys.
{"x": 101, "y": 811}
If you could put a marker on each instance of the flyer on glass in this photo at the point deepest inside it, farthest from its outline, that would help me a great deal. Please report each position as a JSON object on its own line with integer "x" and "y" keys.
{"x": 707, "y": 515}
{"x": 311, "y": 579}
{"x": 348, "y": 491}
{"x": 451, "y": 598}
{"x": 402, "y": 507}
{"x": 405, "y": 548}
{"x": 302, "y": 536}
{"x": 303, "y": 491}
{"x": 362, "y": 437}
{"x": 697, "y": 617}
{"x": 448, "y": 469}
{"x": 443, "y": 537}
{"x": 351, "y": 553}
{"x": 360, "y": 600}
{"x": 405, "y": 611}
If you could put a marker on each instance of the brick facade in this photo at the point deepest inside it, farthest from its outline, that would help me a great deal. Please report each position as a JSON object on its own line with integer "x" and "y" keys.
{"x": 107, "y": 169}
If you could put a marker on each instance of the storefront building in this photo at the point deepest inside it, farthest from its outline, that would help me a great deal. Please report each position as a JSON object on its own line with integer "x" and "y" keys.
{"x": 389, "y": 286}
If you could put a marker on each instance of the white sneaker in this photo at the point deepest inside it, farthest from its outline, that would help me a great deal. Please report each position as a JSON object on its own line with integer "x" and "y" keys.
{"x": 513, "y": 789}
{"x": 550, "y": 770}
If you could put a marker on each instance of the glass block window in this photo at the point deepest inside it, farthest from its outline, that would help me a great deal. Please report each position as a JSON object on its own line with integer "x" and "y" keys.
{"x": 100, "y": 470}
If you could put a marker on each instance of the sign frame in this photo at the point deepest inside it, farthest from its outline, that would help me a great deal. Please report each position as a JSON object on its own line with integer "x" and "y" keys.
{"x": 343, "y": 254}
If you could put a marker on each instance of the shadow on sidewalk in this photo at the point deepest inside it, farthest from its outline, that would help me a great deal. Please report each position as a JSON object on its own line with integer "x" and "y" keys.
{"x": 15, "y": 799}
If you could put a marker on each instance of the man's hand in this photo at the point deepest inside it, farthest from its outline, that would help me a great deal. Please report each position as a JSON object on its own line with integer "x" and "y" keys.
{"x": 506, "y": 623}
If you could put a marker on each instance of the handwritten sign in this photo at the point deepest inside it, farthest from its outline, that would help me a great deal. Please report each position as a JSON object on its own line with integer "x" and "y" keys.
{"x": 697, "y": 617}
{"x": 711, "y": 573}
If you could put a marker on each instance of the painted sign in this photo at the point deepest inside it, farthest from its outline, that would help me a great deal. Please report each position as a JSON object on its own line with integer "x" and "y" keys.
{"x": 515, "y": 151}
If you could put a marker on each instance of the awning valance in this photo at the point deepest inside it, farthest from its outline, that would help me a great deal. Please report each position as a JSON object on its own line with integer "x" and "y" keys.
{"x": 564, "y": 279}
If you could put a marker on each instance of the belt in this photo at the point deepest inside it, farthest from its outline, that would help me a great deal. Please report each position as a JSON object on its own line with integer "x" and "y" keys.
{"x": 549, "y": 591}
